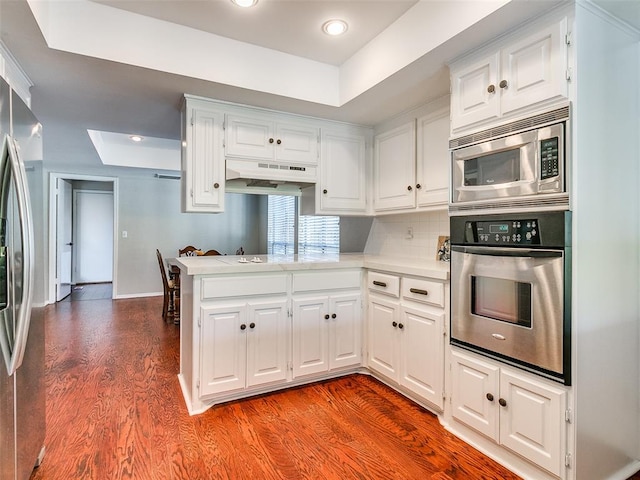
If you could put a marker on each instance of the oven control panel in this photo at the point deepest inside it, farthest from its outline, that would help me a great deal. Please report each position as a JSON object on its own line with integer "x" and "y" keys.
{"x": 502, "y": 232}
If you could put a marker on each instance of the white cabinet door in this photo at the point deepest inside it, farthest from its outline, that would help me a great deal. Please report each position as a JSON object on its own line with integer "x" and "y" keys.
{"x": 422, "y": 353}
{"x": 297, "y": 143}
{"x": 532, "y": 420}
{"x": 345, "y": 334}
{"x": 432, "y": 160}
{"x": 249, "y": 137}
{"x": 203, "y": 161}
{"x": 534, "y": 69}
{"x": 310, "y": 335}
{"x": 267, "y": 341}
{"x": 383, "y": 332}
{"x": 394, "y": 168}
{"x": 343, "y": 184}
{"x": 223, "y": 349}
{"x": 474, "y": 92}
{"x": 475, "y": 394}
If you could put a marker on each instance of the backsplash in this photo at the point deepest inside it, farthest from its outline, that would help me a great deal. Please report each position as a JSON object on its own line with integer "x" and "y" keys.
{"x": 389, "y": 234}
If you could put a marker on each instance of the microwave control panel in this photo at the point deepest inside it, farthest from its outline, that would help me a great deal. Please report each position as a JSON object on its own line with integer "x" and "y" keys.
{"x": 502, "y": 232}
{"x": 549, "y": 158}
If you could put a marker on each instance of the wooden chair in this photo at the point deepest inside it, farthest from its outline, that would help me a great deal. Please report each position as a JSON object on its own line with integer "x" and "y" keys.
{"x": 188, "y": 251}
{"x": 171, "y": 292}
{"x": 211, "y": 252}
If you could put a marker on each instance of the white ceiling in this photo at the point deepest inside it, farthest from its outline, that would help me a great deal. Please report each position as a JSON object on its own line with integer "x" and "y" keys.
{"x": 126, "y": 68}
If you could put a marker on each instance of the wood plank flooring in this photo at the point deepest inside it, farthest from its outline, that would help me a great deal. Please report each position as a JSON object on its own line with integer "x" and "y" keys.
{"x": 115, "y": 411}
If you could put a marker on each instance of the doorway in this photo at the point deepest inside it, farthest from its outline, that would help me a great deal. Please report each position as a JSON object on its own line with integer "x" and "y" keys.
{"x": 82, "y": 233}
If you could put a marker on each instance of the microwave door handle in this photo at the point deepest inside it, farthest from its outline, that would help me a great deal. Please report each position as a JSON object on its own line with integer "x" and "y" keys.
{"x": 508, "y": 252}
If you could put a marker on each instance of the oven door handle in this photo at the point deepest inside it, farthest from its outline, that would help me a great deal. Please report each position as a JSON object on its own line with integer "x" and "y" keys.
{"x": 508, "y": 252}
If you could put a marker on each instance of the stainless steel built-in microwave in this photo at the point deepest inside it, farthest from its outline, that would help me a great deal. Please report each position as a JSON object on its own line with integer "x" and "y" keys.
{"x": 518, "y": 165}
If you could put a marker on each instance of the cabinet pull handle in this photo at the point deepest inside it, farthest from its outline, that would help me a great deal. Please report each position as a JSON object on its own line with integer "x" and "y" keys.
{"x": 379, "y": 284}
{"x": 216, "y": 185}
{"x": 418, "y": 186}
{"x": 326, "y": 317}
{"x": 409, "y": 187}
{"x": 243, "y": 327}
{"x": 503, "y": 84}
{"x": 279, "y": 142}
{"x": 491, "y": 88}
{"x": 333, "y": 315}
{"x": 271, "y": 140}
{"x": 502, "y": 402}
{"x": 490, "y": 397}
{"x": 252, "y": 325}
{"x": 395, "y": 324}
{"x": 400, "y": 326}
{"x": 324, "y": 191}
{"x": 418, "y": 291}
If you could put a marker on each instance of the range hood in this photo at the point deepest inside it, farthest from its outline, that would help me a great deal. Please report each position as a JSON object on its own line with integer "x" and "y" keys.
{"x": 268, "y": 177}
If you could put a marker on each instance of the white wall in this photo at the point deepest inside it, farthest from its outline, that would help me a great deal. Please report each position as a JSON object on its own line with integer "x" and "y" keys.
{"x": 388, "y": 234}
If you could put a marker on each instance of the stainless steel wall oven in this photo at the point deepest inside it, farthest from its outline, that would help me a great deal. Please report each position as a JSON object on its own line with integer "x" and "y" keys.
{"x": 511, "y": 289}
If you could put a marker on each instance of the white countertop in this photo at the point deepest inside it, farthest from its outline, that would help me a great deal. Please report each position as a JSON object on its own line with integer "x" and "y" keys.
{"x": 225, "y": 264}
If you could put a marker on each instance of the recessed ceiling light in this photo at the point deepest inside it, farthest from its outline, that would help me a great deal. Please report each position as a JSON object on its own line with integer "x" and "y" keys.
{"x": 335, "y": 27}
{"x": 245, "y": 3}
{"x": 136, "y": 138}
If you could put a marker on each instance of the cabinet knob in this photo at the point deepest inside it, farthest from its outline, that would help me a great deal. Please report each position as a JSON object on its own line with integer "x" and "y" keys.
{"x": 324, "y": 191}
{"x": 400, "y": 326}
{"x": 326, "y": 317}
{"x": 490, "y": 397}
{"x": 216, "y": 185}
{"x": 503, "y": 84}
{"x": 271, "y": 140}
{"x": 418, "y": 186}
{"x": 252, "y": 325}
{"x": 491, "y": 88}
{"x": 279, "y": 142}
{"x": 502, "y": 402}
{"x": 409, "y": 187}
{"x": 395, "y": 324}
{"x": 243, "y": 327}
{"x": 333, "y": 315}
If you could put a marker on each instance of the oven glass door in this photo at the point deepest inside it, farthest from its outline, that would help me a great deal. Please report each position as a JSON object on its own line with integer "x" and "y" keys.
{"x": 509, "y": 302}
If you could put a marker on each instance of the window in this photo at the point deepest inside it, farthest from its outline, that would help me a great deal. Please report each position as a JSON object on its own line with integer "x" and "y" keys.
{"x": 287, "y": 230}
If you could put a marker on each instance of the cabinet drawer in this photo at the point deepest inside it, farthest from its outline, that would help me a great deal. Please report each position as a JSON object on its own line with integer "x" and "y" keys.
{"x": 325, "y": 280}
{"x": 383, "y": 283}
{"x": 424, "y": 291}
{"x": 241, "y": 286}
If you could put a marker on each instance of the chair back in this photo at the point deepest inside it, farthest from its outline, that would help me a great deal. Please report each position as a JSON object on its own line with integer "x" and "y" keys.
{"x": 188, "y": 251}
{"x": 163, "y": 271}
{"x": 211, "y": 252}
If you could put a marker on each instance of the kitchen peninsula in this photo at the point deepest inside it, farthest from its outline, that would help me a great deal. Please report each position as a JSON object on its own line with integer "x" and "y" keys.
{"x": 251, "y": 325}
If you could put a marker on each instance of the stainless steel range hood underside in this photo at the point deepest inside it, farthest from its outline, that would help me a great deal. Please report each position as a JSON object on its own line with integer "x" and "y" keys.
{"x": 268, "y": 178}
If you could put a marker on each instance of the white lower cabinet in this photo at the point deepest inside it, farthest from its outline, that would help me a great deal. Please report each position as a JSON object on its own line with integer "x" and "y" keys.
{"x": 326, "y": 333}
{"x": 406, "y": 341}
{"x": 243, "y": 344}
{"x": 327, "y": 325}
{"x": 523, "y": 413}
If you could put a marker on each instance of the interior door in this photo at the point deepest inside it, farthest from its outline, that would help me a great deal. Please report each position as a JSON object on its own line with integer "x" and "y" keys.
{"x": 93, "y": 222}
{"x": 64, "y": 243}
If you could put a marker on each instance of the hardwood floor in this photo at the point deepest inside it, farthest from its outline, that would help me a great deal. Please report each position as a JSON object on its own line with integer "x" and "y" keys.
{"x": 115, "y": 411}
{"x": 89, "y": 291}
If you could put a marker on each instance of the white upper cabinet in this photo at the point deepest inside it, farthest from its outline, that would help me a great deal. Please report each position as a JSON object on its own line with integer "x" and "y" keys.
{"x": 394, "y": 174}
{"x": 343, "y": 165}
{"x": 432, "y": 172}
{"x": 525, "y": 73}
{"x": 203, "y": 172}
{"x": 271, "y": 139}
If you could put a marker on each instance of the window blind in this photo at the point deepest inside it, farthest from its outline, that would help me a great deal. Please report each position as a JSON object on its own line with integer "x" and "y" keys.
{"x": 314, "y": 234}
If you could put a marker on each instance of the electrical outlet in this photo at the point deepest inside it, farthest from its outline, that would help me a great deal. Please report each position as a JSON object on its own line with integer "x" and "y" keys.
{"x": 409, "y": 234}
{"x": 124, "y": 234}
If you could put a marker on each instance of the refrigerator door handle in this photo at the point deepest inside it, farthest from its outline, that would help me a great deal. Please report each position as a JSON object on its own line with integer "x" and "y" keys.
{"x": 14, "y": 356}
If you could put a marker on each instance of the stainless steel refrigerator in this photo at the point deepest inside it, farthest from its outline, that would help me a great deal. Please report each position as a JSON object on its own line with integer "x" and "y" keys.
{"x": 22, "y": 396}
